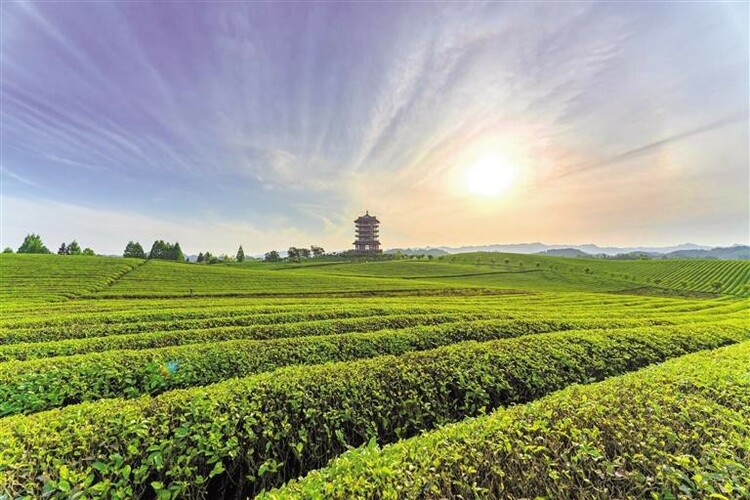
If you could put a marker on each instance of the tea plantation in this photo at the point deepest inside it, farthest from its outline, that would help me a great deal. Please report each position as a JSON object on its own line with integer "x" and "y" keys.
{"x": 475, "y": 375}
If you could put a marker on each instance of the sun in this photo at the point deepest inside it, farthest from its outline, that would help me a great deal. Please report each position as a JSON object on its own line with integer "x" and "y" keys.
{"x": 490, "y": 176}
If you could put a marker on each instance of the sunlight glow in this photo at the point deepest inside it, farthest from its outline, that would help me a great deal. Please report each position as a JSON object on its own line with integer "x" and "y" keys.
{"x": 490, "y": 176}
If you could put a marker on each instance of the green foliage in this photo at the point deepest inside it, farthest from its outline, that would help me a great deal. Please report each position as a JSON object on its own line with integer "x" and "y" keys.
{"x": 679, "y": 430}
{"x": 33, "y": 244}
{"x": 8, "y": 250}
{"x": 240, "y": 254}
{"x": 34, "y": 350}
{"x": 404, "y": 335}
{"x": 162, "y": 250}
{"x": 34, "y": 278}
{"x": 73, "y": 248}
{"x": 134, "y": 250}
{"x": 47, "y": 383}
{"x": 266, "y": 429}
{"x": 158, "y": 250}
{"x": 175, "y": 253}
{"x": 88, "y": 252}
{"x": 686, "y": 274}
{"x": 272, "y": 256}
{"x": 295, "y": 254}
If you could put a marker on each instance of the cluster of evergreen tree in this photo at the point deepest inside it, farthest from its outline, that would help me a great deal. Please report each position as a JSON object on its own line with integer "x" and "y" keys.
{"x": 162, "y": 250}
{"x": 134, "y": 250}
{"x": 73, "y": 248}
{"x": 207, "y": 258}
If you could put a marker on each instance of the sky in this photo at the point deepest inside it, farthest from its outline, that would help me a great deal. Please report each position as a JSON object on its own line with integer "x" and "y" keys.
{"x": 277, "y": 124}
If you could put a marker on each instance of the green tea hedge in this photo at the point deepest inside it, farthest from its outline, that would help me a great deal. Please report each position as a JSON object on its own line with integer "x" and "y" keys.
{"x": 39, "y": 384}
{"x": 242, "y": 435}
{"x": 678, "y": 430}
{"x": 35, "y": 385}
{"x": 34, "y": 350}
{"x": 108, "y": 328}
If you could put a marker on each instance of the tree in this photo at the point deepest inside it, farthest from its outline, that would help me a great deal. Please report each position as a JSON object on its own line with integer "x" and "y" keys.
{"x": 134, "y": 250}
{"x": 74, "y": 248}
{"x": 293, "y": 253}
{"x": 272, "y": 256}
{"x": 33, "y": 244}
{"x": 240, "y": 254}
{"x": 200, "y": 257}
{"x": 158, "y": 250}
{"x": 175, "y": 253}
{"x": 88, "y": 252}
{"x": 304, "y": 252}
{"x": 317, "y": 251}
{"x": 8, "y": 250}
{"x": 507, "y": 261}
{"x": 63, "y": 250}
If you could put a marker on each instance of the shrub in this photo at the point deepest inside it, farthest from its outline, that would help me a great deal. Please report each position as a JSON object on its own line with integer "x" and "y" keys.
{"x": 29, "y": 386}
{"x": 679, "y": 430}
{"x": 242, "y": 435}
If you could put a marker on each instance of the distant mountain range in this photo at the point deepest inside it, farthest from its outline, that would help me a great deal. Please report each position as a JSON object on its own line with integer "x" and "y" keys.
{"x": 686, "y": 250}
{"x": 418, "y": 251}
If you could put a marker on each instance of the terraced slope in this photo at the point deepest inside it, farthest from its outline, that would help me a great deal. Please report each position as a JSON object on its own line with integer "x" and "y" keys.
{"x": 139, "y": 389}
{"x": 54, "y": 277}
{"x": 166, "y": 279}
{"x": 701, "y": 275}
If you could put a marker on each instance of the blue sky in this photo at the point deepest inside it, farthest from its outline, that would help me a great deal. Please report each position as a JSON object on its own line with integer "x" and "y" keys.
{"x": 272, "y": 125}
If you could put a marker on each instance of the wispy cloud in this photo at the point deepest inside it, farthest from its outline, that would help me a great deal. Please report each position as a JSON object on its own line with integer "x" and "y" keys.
{"x": 740, "y": 117}
{"x": 18, "y": 178}
{"x": 304, "y": 115}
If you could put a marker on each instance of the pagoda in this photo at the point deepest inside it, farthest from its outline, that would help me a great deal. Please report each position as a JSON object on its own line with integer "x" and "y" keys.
{"x": 366, "y": 234}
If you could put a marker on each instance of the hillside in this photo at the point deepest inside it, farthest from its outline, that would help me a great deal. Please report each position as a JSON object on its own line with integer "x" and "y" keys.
{"x": 51, "y": 277}
{"x": 710, "y": 276}
{"x": 54, "y": 277}
{"x": 564, "y": 252}
{"x": 736, "y": 252}
{"x": 589, "y": 248}
{"x": 127, "y": 378}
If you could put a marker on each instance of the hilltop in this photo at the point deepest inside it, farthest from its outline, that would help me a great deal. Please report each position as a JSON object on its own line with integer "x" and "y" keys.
{"x": 684, "y": 251}
{"x": 43, "y": 277}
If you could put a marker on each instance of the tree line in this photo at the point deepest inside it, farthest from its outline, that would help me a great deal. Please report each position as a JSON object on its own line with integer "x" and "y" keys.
{"x": 33, "y": 244}
{"x": 295, "y": 254}
{"x": 163, "y": 250}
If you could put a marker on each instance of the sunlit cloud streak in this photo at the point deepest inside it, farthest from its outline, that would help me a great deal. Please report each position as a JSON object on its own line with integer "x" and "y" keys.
{"x": 741, "y": 117}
